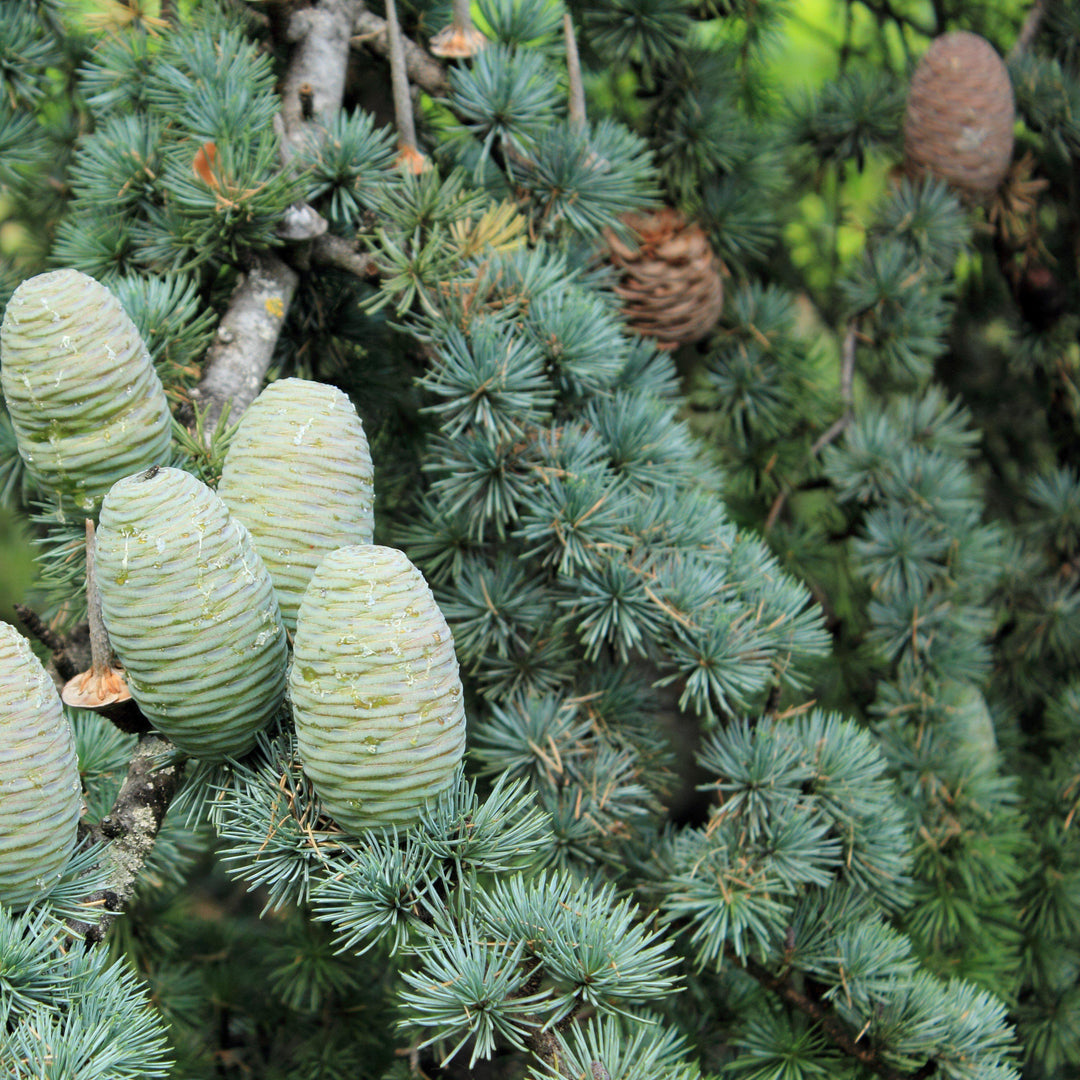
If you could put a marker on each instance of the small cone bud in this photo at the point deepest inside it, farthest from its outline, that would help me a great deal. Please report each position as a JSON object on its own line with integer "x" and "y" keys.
{"x": 375, "y": 689}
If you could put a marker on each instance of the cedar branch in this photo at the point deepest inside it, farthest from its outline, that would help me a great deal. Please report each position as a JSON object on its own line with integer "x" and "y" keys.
{"x": 236, "y": 363}
{"x": 131, "y": 827}
{"x": 838, "y": 426}
{"x": 837, "y": 1032}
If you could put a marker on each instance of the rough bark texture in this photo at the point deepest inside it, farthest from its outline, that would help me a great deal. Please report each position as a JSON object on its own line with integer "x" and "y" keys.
{"x": 321, "y": 36}
{"x": 237, "y": 362}
{"x": 131, "y": 827}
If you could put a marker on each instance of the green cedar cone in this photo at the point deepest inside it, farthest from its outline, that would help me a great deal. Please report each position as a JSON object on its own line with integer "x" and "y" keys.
{"x": 298, "y": 475}
{"x": 375, "y": 688}
{"x": 190, "y": 611}
{"x": 40, "y": 794}
{"x": 85, "y": 402}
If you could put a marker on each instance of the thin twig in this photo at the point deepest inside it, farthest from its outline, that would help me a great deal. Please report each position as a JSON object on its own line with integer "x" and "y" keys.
{"x": 399, "y": 80}
{"x": 838, "y": 426}
{"x": 576, "y": 104}
{"x": 902, "y": 19}
{"x": 1029, "y": 30}
{"x": 837, "y": 1032}
{"x": 462, "y": 16}
{"x": 100, "y": 651}
{"x": 37, "y": 626}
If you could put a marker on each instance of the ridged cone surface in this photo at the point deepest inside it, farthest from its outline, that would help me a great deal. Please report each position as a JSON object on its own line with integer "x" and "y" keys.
{"x": 670, "y": 281}
{"x": 40, "y": 795}
{"x": 960, "y": 115}
{"x": 85, "y": 402}
{"x": 298, "y": 475}
{"x": 375, "y": 689}
{"x": 190, "y": 611}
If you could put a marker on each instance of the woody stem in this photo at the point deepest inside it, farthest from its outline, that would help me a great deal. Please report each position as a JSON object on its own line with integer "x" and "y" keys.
{"x": 399, "y": 80}
{"x": 462, "y": 17}
{"x": 576, "y": 104}
{"x": 100, "y": 651}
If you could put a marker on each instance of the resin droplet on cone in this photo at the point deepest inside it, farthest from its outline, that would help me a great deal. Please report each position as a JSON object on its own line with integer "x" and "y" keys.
{"x": 375, "y": 689}
{"x": 84, "y": 399}
{"x": 298, "y": 475}
{"x": 191, "y": 612}
{"x": 960, "y": 115}
{"x": 40, "y": 794}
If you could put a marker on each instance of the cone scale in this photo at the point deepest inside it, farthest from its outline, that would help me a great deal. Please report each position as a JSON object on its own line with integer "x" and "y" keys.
{"x": 375, "y": 689}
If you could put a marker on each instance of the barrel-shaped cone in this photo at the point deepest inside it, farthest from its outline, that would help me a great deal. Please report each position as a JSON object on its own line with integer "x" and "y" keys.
{"x": 375, "y": 689}
{"x": 85, "y": 402}
{"x": 190, "y": 611}
{"x": 298, "y": 475}
{"x": 40, "y": 794}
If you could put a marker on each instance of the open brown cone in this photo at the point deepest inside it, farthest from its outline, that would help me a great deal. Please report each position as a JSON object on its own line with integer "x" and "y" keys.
{"x": 670, "y": 282}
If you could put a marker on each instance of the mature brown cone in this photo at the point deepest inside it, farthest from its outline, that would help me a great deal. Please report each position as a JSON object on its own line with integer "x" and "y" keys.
{"x": 960, "y": 114}
{"x": 670, "y": 282}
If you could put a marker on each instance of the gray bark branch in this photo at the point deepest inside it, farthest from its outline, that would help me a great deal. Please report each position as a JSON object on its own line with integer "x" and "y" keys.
{"x": 236, "y": 363}
{"x": 342, "y": 254}
{"x": 319, "y": 62}
{"x": 243, "y": 347}
{"x": 131, "y": 826}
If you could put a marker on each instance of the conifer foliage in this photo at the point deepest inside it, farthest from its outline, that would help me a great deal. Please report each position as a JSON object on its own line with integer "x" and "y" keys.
{"x": 525, "y": 691}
